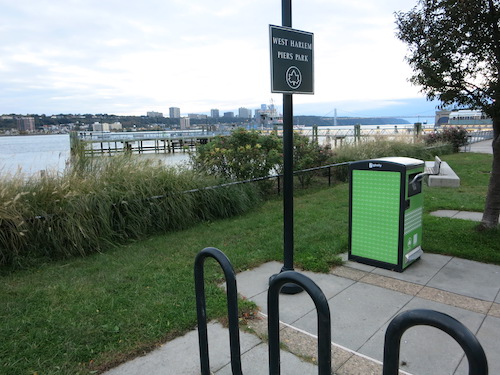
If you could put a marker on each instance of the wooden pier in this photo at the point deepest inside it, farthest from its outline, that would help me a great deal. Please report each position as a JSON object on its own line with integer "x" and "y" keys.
{"x": 167, "y": 142}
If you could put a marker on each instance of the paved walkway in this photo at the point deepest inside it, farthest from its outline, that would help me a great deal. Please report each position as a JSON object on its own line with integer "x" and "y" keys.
{"x": 483, "y": 147}
{"x": 363, "y": 300}
{"x": 454, "y": 214}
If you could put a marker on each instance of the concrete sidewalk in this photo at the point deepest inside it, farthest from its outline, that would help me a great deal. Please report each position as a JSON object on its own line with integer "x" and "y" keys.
{"x": 483, "y": 147}
{"x": 363, "y": 300}
{"x": 455, "y": 214}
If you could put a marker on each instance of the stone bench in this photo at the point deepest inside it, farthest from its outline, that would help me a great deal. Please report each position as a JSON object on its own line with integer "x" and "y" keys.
{"x": 440, "y": 174}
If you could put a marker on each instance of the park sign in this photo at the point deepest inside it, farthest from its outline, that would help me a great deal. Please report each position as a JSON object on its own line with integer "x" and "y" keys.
{"x": 292, "y": 60}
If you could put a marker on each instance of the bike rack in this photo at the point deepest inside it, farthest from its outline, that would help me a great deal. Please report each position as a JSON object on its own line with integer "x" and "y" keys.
{"x": 232, "y": 309}
{"x": 476, "y": 357}
{"x": 478, "y": 364}
{"x": 319, "y": 299}
{"x": 324, "y": 323}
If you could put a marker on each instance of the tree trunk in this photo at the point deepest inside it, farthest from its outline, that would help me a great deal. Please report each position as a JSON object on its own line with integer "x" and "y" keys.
{"x": 492, "y": 206}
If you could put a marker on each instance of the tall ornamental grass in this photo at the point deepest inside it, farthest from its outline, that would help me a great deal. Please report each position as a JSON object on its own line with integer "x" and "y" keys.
{"x": 105, "y": 201}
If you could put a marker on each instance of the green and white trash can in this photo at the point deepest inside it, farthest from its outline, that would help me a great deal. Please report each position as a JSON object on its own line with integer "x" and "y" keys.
{"x": 385, "y": 212}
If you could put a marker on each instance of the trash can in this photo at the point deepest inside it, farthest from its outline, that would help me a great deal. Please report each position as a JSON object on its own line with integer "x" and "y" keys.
{"x": 385, "y": 212}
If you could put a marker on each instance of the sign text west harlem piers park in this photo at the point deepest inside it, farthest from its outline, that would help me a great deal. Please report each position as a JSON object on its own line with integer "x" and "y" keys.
{"x": 292, "y": 55}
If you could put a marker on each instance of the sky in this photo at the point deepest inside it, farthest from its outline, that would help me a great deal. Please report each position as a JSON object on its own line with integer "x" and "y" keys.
{"x": 128, "y": 58}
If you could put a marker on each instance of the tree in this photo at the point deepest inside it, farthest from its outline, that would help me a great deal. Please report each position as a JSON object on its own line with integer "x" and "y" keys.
{"x": 454, "y": 51}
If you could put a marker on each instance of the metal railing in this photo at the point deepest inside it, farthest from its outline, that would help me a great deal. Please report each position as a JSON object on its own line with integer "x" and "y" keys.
{"x": 277, "y": 177}
{"x": 479, "y": 136}
{"x": 151, "y": 135}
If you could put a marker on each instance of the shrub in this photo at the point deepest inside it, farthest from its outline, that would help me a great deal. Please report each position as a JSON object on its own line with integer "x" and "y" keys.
{"x": 454, "y": 135}
{"x": 250, "y": 154}
{"x": 242, "y": 155}
{"x": 307, "y": 153}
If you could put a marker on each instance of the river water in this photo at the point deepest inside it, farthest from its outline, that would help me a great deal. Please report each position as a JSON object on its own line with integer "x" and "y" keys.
{"x": 30, "y": 154}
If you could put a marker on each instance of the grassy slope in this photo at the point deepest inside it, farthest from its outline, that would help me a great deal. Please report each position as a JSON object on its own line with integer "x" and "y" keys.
{"x": 83, "y": 315}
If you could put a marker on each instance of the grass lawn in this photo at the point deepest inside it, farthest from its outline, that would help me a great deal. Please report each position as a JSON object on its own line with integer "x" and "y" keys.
{"x": 84, "y": 315}
{"x": 459, "y": 237}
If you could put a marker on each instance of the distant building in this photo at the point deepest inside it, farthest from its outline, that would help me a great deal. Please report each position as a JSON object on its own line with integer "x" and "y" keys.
{"x": 229, "y": 114}
{"x": 462, "y": 117}
{"x": 442, "y": 117}
{"x": 214, "y": 113}
{"x": 468, "y": 117}
{"x": 117, "y": 126}
{"x": 98, "y": 127}
{"x": 268, "y": 115}
{"x": 244, "y": 113}
{"x": 197, "y": 116}
{"x": 26, "y": 124}
{"x": 185, "y": 123}
{"x": 154, "y": 114}
{"x": 174, "y": 112}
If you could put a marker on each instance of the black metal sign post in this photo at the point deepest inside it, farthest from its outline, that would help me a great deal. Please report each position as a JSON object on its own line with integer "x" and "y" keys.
{"x": 291, "y": 72}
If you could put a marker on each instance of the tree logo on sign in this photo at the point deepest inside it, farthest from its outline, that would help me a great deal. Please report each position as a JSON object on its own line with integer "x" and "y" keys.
{"x": 293, "y": 77}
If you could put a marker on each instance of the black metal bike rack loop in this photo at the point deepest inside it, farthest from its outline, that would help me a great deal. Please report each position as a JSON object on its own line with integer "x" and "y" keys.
{"x": 324, "y": 323}
{"x": 232, "y": 309}
{"x": 478, "y": 364}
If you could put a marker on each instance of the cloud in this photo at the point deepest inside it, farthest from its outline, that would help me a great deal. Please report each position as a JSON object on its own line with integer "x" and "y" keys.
{"x": 137, "y": 56}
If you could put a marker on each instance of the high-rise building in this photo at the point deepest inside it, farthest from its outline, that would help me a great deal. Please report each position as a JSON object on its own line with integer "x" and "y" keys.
{"x": 26, "y": 124}
{"x": 185, "y": 123}
{"x": 174, "y": 112}
{"x": 228, "y": 114}
{"x": 244, "y": 113}
{"x": 214, "y": 113}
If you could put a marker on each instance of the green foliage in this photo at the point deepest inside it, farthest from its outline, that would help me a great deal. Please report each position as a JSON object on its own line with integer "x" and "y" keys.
{"x": 456, "y": 136}
{"x": 241, "y": 156}
{"x": 250, "y": 154}
{"x": 308, "y": 153}
{"x": 453, "y": 51}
